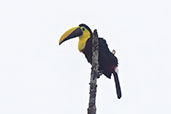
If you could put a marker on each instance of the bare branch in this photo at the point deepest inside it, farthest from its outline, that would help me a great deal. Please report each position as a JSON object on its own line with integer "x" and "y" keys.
{"x": 94, "y": 74}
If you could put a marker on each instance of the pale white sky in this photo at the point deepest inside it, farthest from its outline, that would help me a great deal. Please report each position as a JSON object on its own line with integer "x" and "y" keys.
{"x": 39, "y": 77}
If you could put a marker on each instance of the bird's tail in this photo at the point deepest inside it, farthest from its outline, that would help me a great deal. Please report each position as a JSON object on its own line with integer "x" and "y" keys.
{"x": 117, "y": 84}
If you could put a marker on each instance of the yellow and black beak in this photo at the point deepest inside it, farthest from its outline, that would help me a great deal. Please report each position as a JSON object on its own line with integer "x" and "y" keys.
{"x": 71, "y": 33}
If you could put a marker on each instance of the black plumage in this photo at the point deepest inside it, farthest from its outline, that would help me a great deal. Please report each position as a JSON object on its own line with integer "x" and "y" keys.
{"x": 107, "y": 61}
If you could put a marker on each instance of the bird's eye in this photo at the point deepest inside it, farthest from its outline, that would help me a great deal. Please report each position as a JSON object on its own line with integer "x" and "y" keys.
{"x": 83, "y": 29}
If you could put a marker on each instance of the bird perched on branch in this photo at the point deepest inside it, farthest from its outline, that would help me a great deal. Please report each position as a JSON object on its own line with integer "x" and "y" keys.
{"x": 108, "y": 62}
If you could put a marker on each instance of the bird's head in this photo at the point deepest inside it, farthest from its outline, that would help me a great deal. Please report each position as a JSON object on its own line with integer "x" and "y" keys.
{"x": 82, "y": 31}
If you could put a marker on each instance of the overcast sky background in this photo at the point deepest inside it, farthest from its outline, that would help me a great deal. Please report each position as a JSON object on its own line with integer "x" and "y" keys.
{"x": 37, "y": 76}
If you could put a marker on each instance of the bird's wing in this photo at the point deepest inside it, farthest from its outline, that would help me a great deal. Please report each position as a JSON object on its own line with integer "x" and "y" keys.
{"x": 106, "y": 54}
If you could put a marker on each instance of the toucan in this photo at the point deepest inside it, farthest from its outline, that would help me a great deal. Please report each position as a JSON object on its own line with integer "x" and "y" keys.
{"x": 108, "y": 62}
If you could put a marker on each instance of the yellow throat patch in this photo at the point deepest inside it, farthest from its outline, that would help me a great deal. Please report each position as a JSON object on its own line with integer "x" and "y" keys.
{"x": 83, "y": 39}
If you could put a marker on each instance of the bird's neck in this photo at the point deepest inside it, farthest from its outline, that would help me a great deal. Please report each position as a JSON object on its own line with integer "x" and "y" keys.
{"x": 82, "y": 42}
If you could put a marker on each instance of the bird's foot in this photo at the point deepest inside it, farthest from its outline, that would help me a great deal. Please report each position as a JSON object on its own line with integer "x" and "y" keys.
{"x": 100, "y": 72}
